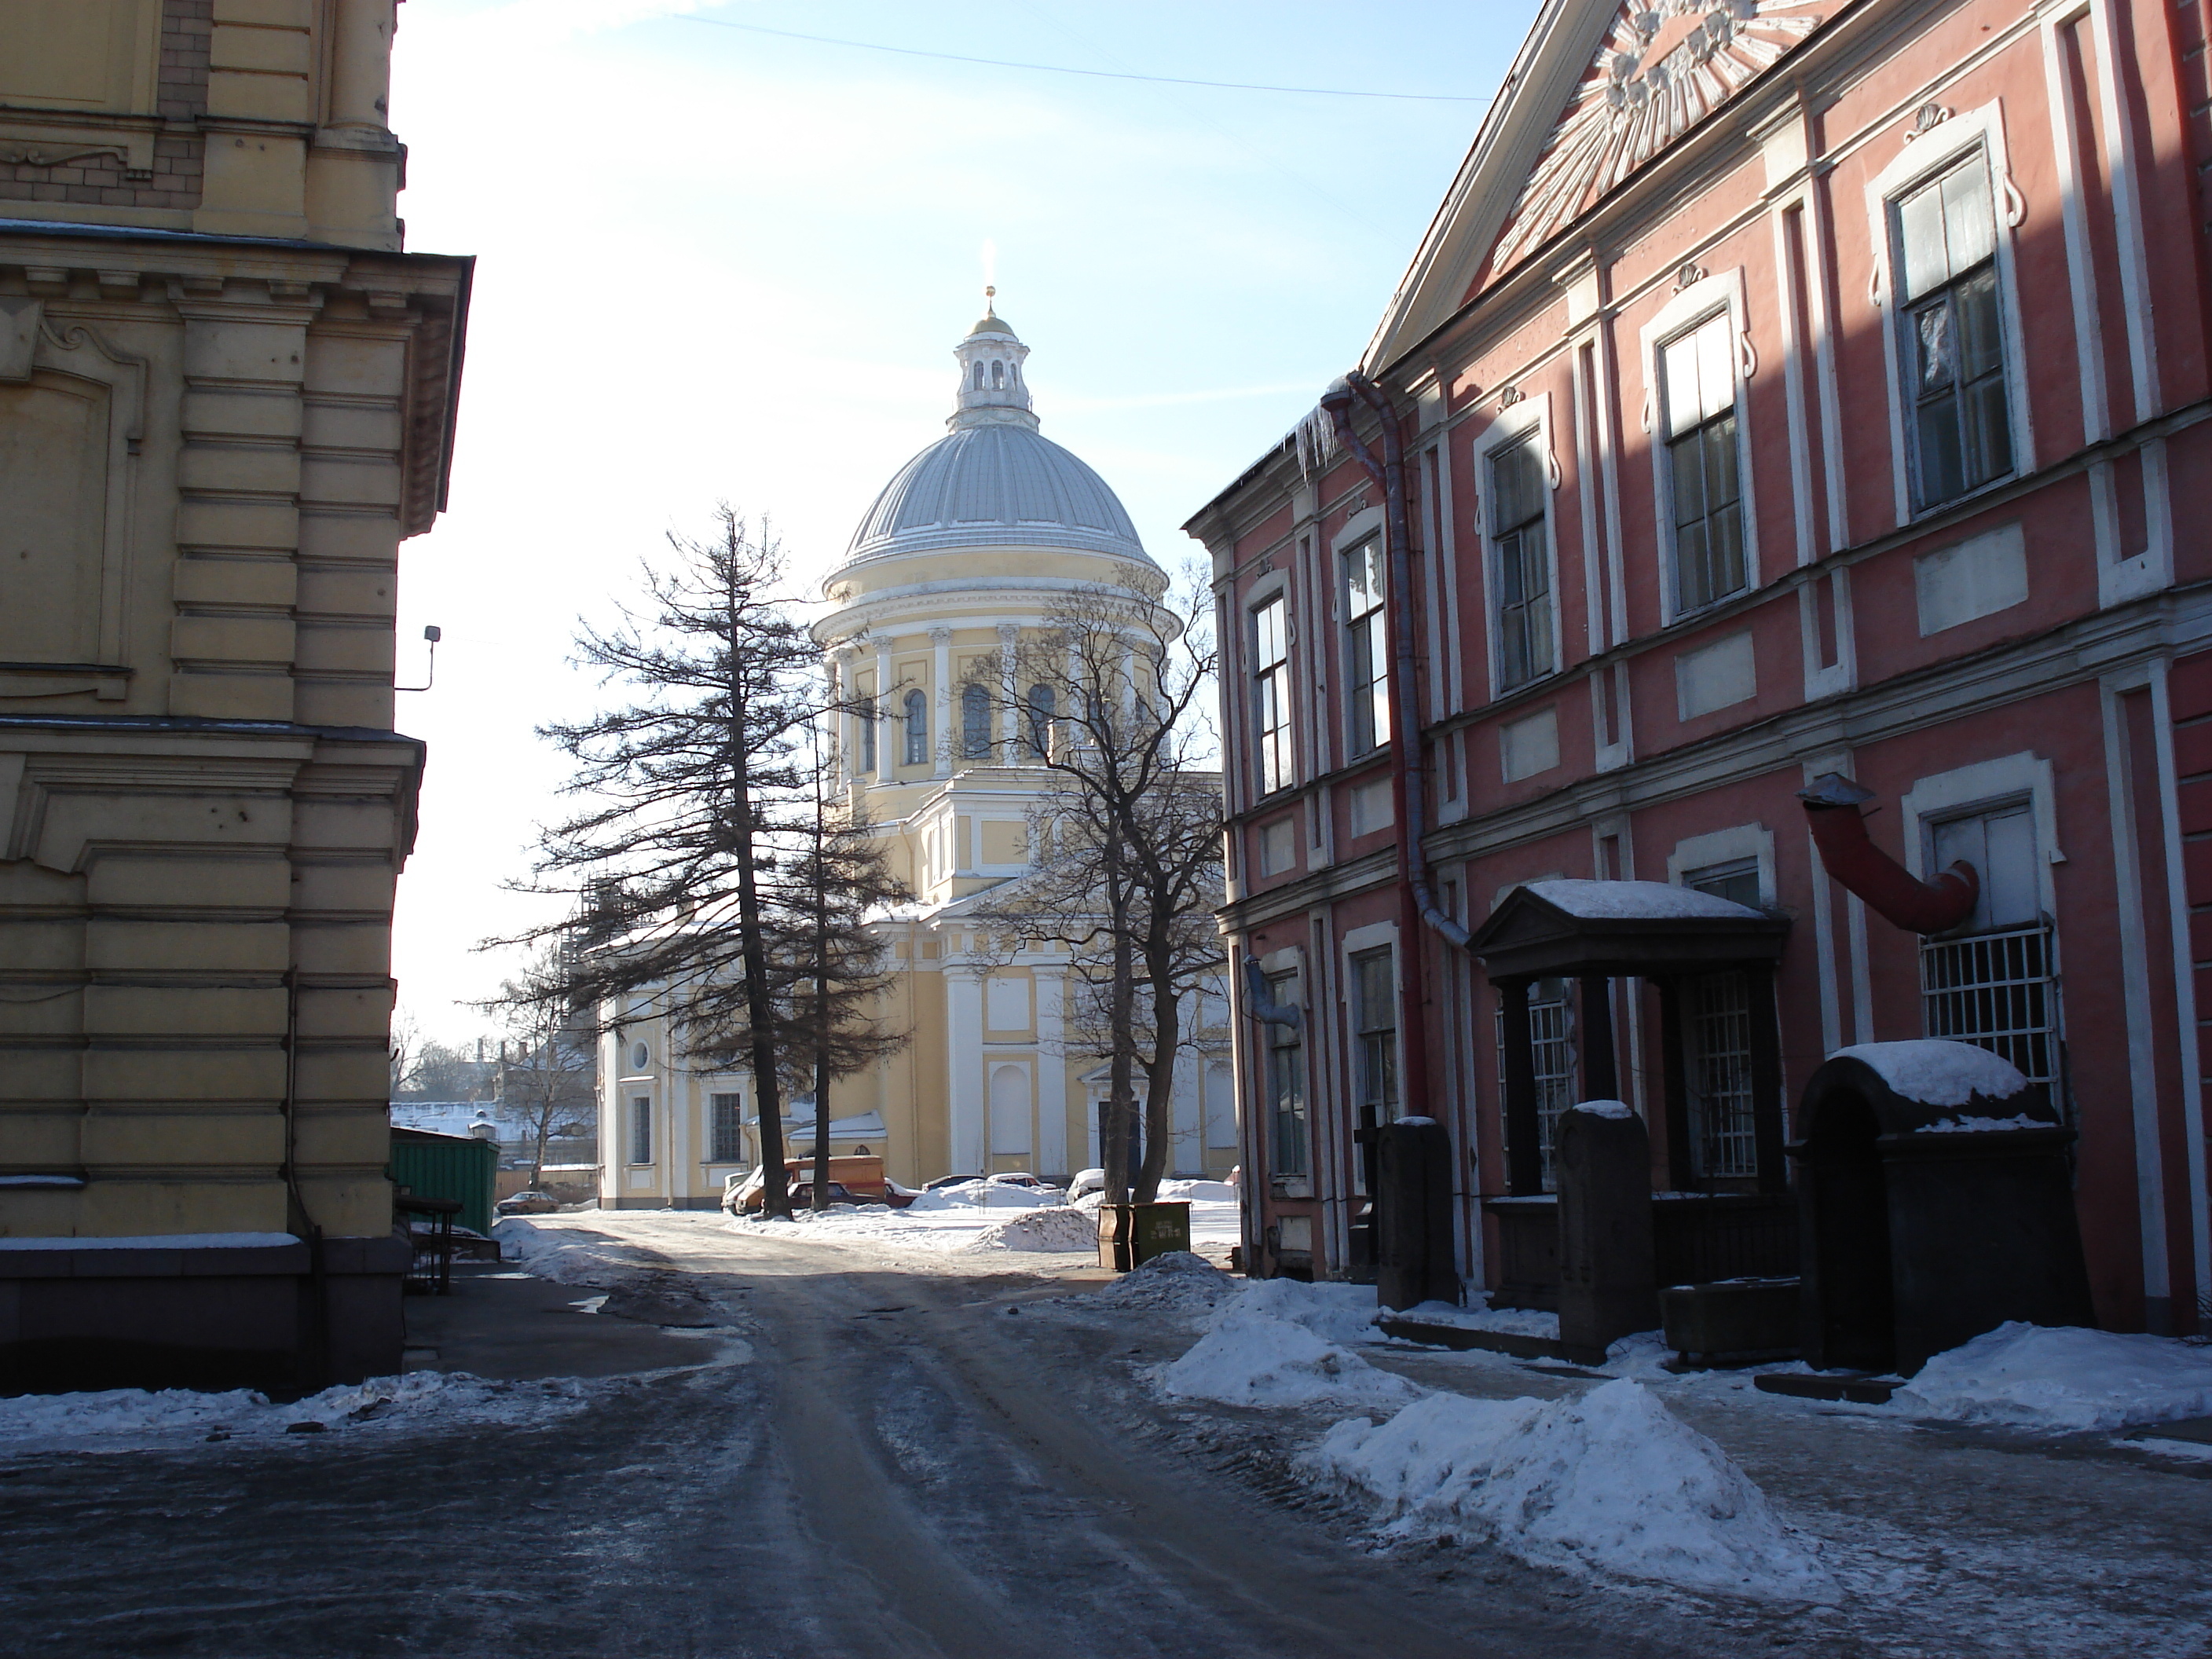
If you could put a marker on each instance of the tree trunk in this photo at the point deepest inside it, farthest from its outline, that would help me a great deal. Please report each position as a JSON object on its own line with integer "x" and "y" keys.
{"x": 1121, "y": 1106}
{"x": 821, "y": 898}
{"x": 760, "y": 1010}
{"x": 1159, "y": 1076}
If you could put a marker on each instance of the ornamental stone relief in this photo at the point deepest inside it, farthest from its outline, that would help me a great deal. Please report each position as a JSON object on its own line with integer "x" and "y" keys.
{"x": 1663, "y": 67}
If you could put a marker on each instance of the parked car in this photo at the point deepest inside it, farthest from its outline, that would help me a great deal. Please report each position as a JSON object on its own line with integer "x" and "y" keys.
{"x": 1022, "y": 1178}
{"x": 527, "y": 1203}
{"x": 951, "y": 1180}
{"x": 858, "y": 1179}
{"x": 1085, "y": 1182}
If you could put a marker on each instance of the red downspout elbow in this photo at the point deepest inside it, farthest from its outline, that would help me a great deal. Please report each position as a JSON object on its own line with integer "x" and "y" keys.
{"x": 1886, "y": 887}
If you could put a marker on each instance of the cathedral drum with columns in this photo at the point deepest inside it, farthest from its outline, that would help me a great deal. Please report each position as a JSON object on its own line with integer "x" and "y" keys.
{"x": 973, "y": 543}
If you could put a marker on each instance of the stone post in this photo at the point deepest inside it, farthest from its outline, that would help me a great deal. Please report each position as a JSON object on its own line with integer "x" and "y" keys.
{"x": 1608, "y": 1283}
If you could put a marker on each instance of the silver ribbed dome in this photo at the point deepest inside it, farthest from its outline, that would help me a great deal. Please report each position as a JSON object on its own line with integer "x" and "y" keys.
{"x": 996, "y": 485}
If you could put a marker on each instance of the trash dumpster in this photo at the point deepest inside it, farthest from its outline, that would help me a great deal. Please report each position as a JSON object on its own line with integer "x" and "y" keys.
{"x": 1130, "y": 1235}
{"x": 1936, "y": 1203}
{"x": 458, "y": 1167}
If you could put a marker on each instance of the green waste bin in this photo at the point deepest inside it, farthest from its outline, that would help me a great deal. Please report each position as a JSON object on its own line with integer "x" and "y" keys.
{"x": 1130, "y": 1235}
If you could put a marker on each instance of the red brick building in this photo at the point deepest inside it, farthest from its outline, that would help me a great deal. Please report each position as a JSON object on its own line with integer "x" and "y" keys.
{"x": 1780, "y": 390}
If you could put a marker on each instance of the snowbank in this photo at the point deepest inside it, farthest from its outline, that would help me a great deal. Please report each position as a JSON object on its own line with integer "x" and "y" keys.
{"x": 122, "y": 1420}
{"x": 1176, "y": 1283}
{"x": 1249, "y": 1358}
{"x": 1199, "y": 1192}
{"x": 2062, "y": 1381}
{"x": 982, "y": 1195}
{"x": 567, "y": 1255}
{"x": 1052, "y": 1227}
{"x": 1938, "y": 1072}
{"x": 1342, "y": 1314}
{"x": 1610, "y": 1480}
{"x": 1511, "y": 1321}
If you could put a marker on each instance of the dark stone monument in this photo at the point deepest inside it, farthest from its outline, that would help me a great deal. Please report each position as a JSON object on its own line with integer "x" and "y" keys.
{"x": 1609, "y": 1281}
{"x": 1415, "y": 1261}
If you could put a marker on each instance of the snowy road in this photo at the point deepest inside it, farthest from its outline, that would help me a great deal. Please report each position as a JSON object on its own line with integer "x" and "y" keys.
{"x": 949, "y": 1456}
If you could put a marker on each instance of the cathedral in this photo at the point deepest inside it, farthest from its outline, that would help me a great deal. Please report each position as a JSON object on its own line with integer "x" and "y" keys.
{"x": 966, "y": 551}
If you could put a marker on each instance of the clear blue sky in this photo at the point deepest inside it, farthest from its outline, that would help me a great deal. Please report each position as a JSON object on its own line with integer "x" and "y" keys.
{"x": 716, "y": 264}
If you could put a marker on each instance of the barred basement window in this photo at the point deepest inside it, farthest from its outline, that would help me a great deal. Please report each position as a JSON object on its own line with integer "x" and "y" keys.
{"x": 1994, "y": 983}
{"x": 1551, "y": 1047}
{"x": 1717, "y": 1042}
{"x": 727, "y": 1146}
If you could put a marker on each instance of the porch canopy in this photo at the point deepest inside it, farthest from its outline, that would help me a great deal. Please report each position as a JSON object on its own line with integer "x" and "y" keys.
{"x": 1598, "y": 930}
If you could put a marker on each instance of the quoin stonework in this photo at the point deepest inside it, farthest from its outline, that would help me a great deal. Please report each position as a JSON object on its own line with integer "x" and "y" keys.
{"x": 1782, "y": 390}
{"x": 227, "y": 396}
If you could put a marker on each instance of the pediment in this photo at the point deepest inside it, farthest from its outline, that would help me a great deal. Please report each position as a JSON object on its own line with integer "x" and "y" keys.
{"x": 1634, "y": 77}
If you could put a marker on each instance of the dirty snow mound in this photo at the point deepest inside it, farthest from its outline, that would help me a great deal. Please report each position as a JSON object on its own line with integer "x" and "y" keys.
{"x": 119, "y": 1420}
{"x": 1612, "y": 1480}
{"x": 568, "y": 1256}
{"x": 1178, "y": 1282}
{"x": 2062, "y": 1380}
{"x": 1056, "y": 1227}
{"x": 1248, "y": 1359}
{"x": 1342, "y": 1314}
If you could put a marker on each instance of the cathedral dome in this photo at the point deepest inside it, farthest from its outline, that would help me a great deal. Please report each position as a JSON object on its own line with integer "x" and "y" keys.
{"x": 991, "y": 481}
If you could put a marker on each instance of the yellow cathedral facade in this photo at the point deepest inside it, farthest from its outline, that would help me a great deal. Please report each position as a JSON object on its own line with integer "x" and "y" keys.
{"x": 966, "y": 551}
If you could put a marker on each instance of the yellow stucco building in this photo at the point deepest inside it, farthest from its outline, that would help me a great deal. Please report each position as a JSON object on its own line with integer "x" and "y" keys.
{"x": 226, "y": 394}
{"x": 971, "y": 545}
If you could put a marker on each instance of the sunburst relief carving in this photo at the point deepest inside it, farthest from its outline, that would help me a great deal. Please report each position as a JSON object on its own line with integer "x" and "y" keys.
{"x": 1664, "y": 66}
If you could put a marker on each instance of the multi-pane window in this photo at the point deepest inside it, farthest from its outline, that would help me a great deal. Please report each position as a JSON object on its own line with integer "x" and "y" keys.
{"x": 1716, "y": 1055}
{"x": 917, "y": 729}
{"x": 1043, "y": 709}
{"x": 1994, "y": 982}
{"x": 725, "y": 1144}
{"x": 1956, "y": 400}
{"x": 975, "y": 723}
{"x": 1521, "y": 559}
{"x": 1374, "y": 1020}
{"x": 1736, "y": 881}
{"x": 641, "y": 1129}
{"x": 1366, "y": 648}
{"x": 1286, "y": 1086}
{"x": 868, "y": 717}
{"x": 1551, "y": 1056}
{"x": 1271, "y": 694}
{"x": 1697, "y": 377}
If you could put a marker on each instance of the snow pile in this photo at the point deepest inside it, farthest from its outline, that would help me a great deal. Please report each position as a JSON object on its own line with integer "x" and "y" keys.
{"x": 1052, "y": 1227}
{"x": 1511, "y": 1321}
{"x": 1249, "y": 1358}
{"x": 1939, "y": 1073}
{"x": 568, "y": 1255}
{"x": 982, "y": 1195}
{"x": 120, "y": 1420}
{"x": 1342, "y": 1314}
{"x": 1635, "y": 901}
{"x": 2062, "y": 1381}
{"x": 1176, "y": 1283}
{"x": 1610, "y": 1480}
{"x": 1199, "y": 1192}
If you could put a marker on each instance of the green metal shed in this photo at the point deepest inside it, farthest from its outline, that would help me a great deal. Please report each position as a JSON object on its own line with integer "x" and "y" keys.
{"x": 458, "y": 1167}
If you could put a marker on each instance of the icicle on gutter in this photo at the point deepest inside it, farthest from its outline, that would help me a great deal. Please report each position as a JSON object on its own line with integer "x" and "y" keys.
{"x": 1314, "y": 436}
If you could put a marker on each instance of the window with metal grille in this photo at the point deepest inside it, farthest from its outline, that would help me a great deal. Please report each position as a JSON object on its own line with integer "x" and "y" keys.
{"x": 1716, "y": 1057}
{"x": 726, "y": 1144}
{"x": 1286, "y": 1084}
{"x": 1697, "y": 379}
{"x": 1368, "y": 715}
{"x": 1271, "y": 694}
{"x": 1952, "y": 348}
{"x": 1375, "y": 1018}
{"x": 1521, "y": 560}
{"x": 1994, "y": 983}
{"x": 640, "y": 1130}
{"x": 1552, "y": 1051}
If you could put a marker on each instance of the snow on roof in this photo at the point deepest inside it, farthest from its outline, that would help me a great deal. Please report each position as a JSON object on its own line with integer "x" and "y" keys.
{"x": 1604, "y": 1108}
{"x": 1638, "y": 901}
{"x": 1937, "y": 1072}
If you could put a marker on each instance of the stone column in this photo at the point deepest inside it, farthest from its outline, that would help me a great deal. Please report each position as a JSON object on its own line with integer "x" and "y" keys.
{"x": 941, "y": 730}
{"x": 889, "y": 731}
{"x": 1052, "y": 1073}
{"x": 1008, "y": 636}
{"x": 964, "y": 1105}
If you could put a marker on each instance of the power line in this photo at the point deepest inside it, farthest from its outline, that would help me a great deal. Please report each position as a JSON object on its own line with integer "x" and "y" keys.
{"x": 1063, "y": 69}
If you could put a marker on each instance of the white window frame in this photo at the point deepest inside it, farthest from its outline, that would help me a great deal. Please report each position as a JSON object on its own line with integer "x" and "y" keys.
{"x": 1933, "y": 152}
{"x": 1687, "y": 312}
{"x": 1362, "y": 526}
{"x": 1358, "y": 942}
{"x": 1267, "y": 591}
{"x": 1532, "y": 412}
{"x": 1743, "y": 843}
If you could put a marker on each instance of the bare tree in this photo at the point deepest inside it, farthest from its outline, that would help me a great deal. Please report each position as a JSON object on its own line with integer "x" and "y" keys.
{"x": 1108, "y": 699}
{"x": 448, "y": 1071}
{"x": 548, "y": 1065}
{"x": 406, "y": 1040}
{"x": 690, "y": 795}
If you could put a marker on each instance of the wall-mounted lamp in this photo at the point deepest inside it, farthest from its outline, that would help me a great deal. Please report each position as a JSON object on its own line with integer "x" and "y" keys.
{"x": 433, "y": 633}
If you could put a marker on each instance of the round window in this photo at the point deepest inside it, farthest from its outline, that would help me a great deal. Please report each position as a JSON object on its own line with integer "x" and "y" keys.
{"x": 638, "y": 1056}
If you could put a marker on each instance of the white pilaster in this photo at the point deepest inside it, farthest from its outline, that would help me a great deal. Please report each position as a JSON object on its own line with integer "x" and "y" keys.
{"x": 941, "y": 731}
{"x": 964, "y": 1094}
{"x": 1052, "y": 1075}
{"x": 889, "y": 732}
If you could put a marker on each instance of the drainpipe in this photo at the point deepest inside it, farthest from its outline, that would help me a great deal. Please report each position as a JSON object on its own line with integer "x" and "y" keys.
{"x": 1416, "y": 907}
{"x": 1261, "y": 1004}
{"x": 1886, "y": 887}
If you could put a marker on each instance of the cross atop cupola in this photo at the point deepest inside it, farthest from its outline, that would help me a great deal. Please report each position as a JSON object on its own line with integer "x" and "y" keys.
{"x": 992, "y": 390}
